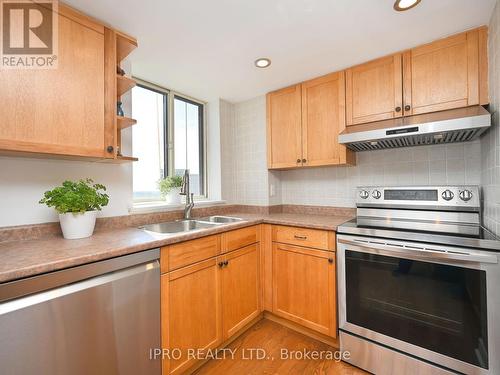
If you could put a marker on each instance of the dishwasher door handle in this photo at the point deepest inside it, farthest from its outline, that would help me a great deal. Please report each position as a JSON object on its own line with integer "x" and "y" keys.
{"x": 33, "y": 299}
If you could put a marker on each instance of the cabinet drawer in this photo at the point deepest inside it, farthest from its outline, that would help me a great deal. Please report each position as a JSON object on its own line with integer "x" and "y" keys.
{"x": 319, "y": 239}
{"x": 239, "y": 238}
{"x": 189, "y": 252}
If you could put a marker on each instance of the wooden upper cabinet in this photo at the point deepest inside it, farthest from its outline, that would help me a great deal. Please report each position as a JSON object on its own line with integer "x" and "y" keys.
{"x": 446, "y": 74}
{"x": 58, "y": 111}
{"x": 374, "y": 90}
{"x": 304, "y": 122}
{"x": 323, "y": 118}
{"x": 284, "y": 138}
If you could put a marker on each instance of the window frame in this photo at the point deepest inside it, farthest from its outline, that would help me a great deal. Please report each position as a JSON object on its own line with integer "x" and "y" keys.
{"x": 201, "y": 138}
{"x": 169, "y": 134}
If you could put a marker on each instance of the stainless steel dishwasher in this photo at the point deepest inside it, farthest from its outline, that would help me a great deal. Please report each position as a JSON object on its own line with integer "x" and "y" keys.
{"x": 99, "y": 318}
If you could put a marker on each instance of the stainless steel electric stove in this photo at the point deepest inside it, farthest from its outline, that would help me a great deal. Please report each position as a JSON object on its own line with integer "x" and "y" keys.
{"x": 419, "y": 282}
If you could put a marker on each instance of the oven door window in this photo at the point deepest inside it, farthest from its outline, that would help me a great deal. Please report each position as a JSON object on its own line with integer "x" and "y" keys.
{"x": 437, "y": 307}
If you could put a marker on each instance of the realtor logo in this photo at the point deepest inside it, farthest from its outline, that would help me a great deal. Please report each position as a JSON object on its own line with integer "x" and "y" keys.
{"x": 28, "y": 34}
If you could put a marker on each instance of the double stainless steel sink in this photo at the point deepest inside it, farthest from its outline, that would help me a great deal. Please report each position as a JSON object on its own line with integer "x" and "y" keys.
{"x": 182, "y": 226}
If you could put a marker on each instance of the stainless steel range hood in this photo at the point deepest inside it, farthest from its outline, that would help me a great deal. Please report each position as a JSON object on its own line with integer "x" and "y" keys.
{"x": 455, "y": 125}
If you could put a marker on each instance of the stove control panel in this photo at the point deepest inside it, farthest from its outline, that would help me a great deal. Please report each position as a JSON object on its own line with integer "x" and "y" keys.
{"x": 424, "y": 197}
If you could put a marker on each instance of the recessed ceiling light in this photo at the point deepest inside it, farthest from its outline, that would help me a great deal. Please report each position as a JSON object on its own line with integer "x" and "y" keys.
{"x": 401, "y": 5}
{"x": 262, "y": 62}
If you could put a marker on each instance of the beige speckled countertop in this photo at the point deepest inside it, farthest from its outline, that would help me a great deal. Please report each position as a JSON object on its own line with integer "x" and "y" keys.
{"x": 19, "y": 259}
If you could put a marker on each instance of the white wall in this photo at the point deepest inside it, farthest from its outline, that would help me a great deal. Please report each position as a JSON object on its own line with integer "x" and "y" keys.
{"x": 23, "y": 182}
{"x": 246, "y": 180}
{"x": 491, "y": 140}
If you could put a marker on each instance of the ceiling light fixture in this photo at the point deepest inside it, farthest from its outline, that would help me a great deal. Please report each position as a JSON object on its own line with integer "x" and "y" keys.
{"x": 262, "y": 62}
{"x": 402, "y": 5}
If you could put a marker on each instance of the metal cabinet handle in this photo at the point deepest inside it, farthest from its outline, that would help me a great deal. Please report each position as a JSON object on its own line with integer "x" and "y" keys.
{"x": 221, "y": 264}
{"x": 110, "y": 149}
{"x": 330, "y": 260}
{"x": 298, "y": 161}
{"x": 226, "y": 263}
{"x": 407, "y": 107}
{"x": 398, "y": 109}
{"x": 304, "y": 160}
{"x": 297, "y": 237}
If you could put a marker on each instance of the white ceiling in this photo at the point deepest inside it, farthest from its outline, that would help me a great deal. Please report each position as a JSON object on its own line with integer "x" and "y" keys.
{"x": 206, "y": 48}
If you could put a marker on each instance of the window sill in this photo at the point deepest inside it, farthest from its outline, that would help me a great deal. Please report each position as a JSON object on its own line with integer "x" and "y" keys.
{"x": 159, "y": 206}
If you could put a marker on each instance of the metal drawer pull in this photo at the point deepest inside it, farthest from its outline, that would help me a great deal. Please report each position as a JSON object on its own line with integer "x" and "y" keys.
{"x": 436, "y": 254}
{"x": 297, "y": 237}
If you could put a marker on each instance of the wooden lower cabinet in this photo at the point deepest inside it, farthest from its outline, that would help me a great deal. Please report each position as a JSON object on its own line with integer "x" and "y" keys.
{"x": 191, "y": 312}
{"x": 304, "y": 287}
{"x": 240, "y": 283}
{"x": 205, "y": 303}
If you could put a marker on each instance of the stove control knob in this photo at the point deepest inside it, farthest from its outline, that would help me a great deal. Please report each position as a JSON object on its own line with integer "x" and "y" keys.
{"x": 376, "y": 194}
{"x": 465, "y": 195}
{"x": 448, "y": 195}
{"x": 364, "y": 194}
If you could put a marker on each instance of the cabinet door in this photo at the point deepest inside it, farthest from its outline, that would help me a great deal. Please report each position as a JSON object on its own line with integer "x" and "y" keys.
{"x": 190, "y": 312}
{"x": 240, "y": 289}
{"x": 58, "y": 111}
{"x": 304, "y": 287}
{"x": 323, "y": 116}
{"x": 374, "y": 90}
{"x": 284, "y": 138}
{"x": 449, "y": 73}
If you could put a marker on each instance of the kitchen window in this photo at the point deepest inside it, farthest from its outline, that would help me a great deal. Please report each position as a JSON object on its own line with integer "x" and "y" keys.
{"x": 168, "y": 138}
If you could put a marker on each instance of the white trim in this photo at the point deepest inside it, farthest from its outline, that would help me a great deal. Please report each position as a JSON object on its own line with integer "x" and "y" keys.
{"x": 160, "y": 206}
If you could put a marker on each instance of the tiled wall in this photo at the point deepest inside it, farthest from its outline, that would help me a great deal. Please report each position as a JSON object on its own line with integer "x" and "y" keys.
{"x": 247, "y": 181}
{"x": 424, "y": 165}
{"x": 491, "y": 141}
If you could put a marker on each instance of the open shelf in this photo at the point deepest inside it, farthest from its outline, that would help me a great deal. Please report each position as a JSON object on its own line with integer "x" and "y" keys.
{"x": 125, "y": 159}
{"x": 124, "y": 122}
{"x": 124, "y": 45}
{"x": 123, "y": 84}
{"x": 118, "y": 160}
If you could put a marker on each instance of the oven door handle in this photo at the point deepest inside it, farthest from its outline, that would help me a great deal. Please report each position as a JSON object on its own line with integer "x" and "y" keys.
{"x": 423, "y": 253}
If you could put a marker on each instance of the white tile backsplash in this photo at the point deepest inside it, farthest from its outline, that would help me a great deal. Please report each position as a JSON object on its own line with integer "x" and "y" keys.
{"x": 246, "y": 179}
{"x": 440, "y": 164}
{"x": 490, "y": 142}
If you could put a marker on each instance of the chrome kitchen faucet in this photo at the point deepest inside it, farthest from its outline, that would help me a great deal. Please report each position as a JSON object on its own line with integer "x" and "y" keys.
{"x": 189, "y": 196}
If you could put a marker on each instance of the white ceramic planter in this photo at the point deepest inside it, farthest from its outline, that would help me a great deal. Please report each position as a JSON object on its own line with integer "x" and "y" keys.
{"x": 173, "y": 197}
{"x": 77, "y": 225}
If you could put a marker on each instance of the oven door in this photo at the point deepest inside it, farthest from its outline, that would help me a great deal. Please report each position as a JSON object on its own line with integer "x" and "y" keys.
{"x": 433, "y": 303}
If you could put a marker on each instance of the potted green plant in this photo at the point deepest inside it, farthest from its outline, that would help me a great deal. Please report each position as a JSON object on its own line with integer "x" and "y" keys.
{"x": 170, "y": 189}
{"x": 77, "y": 204}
